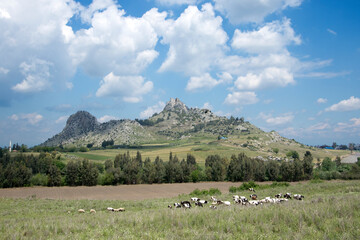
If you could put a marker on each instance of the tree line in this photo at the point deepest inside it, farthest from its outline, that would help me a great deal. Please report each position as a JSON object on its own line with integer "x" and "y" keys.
{"x": 47, "y": 169}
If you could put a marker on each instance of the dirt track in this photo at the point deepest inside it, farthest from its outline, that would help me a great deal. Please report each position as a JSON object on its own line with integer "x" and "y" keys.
{"x": 121, "y": 192}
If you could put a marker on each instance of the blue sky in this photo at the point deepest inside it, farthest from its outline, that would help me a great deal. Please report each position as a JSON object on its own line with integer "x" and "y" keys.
{"x": 285, "y": 65}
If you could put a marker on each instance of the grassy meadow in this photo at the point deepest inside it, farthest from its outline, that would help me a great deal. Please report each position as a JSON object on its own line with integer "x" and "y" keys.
{"x": 330, "y": 210}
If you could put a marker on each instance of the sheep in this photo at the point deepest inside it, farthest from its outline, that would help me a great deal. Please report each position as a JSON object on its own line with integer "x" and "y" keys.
{"x": 279, "y": 195}
{"x": 254, "y": 202}
{"x": 119, "y": 210}
{"x": 81, "y": 211}
{"x": 195, "y": 199}
{"x": 199, "y": 204}
{"x": 287, "y": 195}
{"x": 92, "y": 211}
{"x": 213, "y": 207}
{"x": 186, "y": 204}
{"x": 109, "y": 209}
{"x": 202, "y": 201}
{"x": 169, "y": 206}
{"x": 213, "y": 199}
{"x": 227, "y": 203}
{"x": 177, "y": 205}
{"x": 298, "y": 196}
{"x": 252, "y": 189}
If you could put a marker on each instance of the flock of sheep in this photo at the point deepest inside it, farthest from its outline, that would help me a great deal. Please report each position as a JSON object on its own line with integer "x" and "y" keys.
{"x": 279, "y": 198}
{"x": 110, "y": 209}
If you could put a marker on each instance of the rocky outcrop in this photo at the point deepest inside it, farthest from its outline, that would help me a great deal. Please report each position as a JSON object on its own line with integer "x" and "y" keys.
{"x": 175, "y": 105}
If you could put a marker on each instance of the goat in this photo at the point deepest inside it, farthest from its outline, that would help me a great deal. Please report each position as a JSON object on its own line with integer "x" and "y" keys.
{"x": 81, "y": 211}
{"x": 253, "y": 196}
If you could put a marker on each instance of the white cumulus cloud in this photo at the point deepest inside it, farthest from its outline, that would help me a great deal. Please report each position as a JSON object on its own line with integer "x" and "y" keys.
{"x": 114, "y": 42}
{"x": 37, "y": 76}
{"x": 351, "y": 104}
{"x": 279, "y": 120}
{"x": 196, "y": 41}
{"x": 321, "y": 100}
{"x": 272, "y": 37}
{"x": 32, "y": 118}
{"x": 245, "y": 11}
{"x": 270, "y": 77}
{"x": 175, "y": 2}
{"x": 107, "y": 118}
{"x": 241, "y": 98}
{"x": 149, "y": 111}
{"x": 205, "y": 81}
{"x": 61, "y": 119}
{"x": 128, "y": 88}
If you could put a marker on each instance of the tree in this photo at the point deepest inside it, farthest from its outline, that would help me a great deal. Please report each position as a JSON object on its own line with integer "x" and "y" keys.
{"x": 293, "y": 154}
{"x": 276, "y": 150}
{"x": 272, "y": 170}
{"x": 215, "y": 168}
{"x": 159, "y": 171}
{"x": 71, "y": 174}
{"x": 327, "y": 165}
{"x": 54, "y": 176}
{"x": 351, "y": 147}
{"x": 308, "y": 165}
{"x": 334, "y": 145}
{"x": 287, "y": 171}
{"x": 338, "y": 161}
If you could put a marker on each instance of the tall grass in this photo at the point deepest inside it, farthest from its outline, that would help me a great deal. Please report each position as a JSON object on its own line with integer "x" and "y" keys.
{"x": 330, "y": 210}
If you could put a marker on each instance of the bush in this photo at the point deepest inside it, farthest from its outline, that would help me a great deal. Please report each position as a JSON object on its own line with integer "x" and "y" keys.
{"x": 39, "y": 180}
{"x": 211, "y": 191}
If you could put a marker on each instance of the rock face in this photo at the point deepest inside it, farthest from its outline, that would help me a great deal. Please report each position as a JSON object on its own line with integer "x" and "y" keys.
{"x": 175, "y": 105}
{"x": 80, "y": 123}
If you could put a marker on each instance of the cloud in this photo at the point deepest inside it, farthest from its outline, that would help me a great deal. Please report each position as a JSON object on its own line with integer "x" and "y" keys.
{"x": 246, "y": 11}
{"x": 175, "y": 2}
{"x": 4, "y": 14}
{"x": 32, "y": 118}
{"x": 322, "y": 100}
{"x": 331, "y": 31}
{"x": 270, "y": 77}
{"x": 318, "y": 127}
{"x": 37, "y": 76}
{"x": 114, "y": 43}
{"x": 207, "y": 105}
{"x": 352, "y": 127}
{"x": 148, "y": 112}
{"x": 61, "y": 119}
{"x": 128, "y": 88}
{"x": 279, "y": 120}
{"x": 107, "y": 118}
{"x": 196, "y": 41}
{"x": 33, "y": 44}
{"x": 272, "y": 37}
{"x": 351, "y": 104}
{"x": 241, "y": 98}
{"x": 205, "y": 81}
{"x": 4, "y": 70}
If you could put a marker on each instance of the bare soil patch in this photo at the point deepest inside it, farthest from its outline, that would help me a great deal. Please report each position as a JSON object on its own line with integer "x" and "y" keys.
{"x": 120, "y": 192}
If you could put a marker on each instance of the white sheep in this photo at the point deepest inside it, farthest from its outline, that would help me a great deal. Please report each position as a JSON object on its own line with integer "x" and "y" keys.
{"x": 81, "y": 211}
{"x": 92, "y": 211}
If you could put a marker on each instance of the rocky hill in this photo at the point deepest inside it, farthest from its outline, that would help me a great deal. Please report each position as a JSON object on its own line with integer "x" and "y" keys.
{"x": 175, "y": 122}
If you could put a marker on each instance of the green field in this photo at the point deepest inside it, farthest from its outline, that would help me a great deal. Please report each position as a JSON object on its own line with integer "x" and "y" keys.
{"x": 202, "y": 147}
{"x": 330, "y": 210}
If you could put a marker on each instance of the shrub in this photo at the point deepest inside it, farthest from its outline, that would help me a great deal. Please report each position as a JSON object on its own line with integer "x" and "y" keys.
{"x": 204, "y": 192}
{"x": 39, "y": 180}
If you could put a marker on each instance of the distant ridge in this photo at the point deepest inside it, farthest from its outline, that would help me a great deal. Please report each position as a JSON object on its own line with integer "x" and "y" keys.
{"x": 175, "y": 122}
